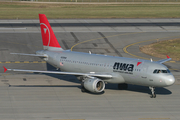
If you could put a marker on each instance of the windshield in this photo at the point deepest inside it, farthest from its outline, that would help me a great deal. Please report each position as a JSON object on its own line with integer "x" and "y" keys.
{"x": 161, "y": 71}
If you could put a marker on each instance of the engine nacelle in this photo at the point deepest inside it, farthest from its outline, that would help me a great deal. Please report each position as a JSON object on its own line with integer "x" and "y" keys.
{"x": 94, "y": 85}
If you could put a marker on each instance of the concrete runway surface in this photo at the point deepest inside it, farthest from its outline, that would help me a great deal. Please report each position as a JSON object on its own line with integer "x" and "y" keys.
{"x": 58, "y": 97}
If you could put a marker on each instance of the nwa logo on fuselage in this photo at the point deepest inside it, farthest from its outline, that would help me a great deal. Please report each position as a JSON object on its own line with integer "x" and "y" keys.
{"x": 123, "y": 68}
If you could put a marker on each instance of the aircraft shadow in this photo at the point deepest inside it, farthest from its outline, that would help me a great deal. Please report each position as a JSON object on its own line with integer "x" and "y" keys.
{"x": 69, "y": 78}
{"x": 141, "y": 89}
{"x": 73, "y": 79}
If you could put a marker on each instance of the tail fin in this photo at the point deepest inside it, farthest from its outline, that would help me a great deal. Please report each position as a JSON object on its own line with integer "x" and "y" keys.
{"x": 48, "y": 37}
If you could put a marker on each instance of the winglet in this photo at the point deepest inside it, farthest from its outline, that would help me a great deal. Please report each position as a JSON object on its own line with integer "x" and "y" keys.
{"x": 5, "y": 69}
{"x": 167, "y": 56}
{"x": 164, "y": 60}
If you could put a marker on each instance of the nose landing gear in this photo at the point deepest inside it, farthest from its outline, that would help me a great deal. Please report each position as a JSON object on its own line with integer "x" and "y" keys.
{"x": 153, "y": 94}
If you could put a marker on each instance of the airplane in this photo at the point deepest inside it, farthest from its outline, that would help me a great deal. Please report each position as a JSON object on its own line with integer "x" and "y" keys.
{"x": 94, "y": 70}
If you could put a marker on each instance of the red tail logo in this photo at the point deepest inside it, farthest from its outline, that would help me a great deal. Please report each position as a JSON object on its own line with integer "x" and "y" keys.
{"x": 48, "y": 37}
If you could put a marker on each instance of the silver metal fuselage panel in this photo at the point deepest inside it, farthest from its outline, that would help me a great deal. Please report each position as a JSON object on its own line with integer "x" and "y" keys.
{"x": 124, "y": 70}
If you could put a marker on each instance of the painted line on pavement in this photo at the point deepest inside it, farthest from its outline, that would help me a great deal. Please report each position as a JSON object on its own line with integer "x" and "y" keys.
{"x": 125, "y": 49}
{"x": 103, "y": 38}
{"x": 11, "y": 22}
{"x": 13, "y": 28}
{"x": 7, "y": 62}
{"x": 153, "y": 118}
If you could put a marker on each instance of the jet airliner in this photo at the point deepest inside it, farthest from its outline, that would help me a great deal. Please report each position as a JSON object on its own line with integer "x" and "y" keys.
{"x": 95, "y": 70}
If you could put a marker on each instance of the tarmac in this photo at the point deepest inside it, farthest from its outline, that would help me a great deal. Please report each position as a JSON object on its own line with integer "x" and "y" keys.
{"x": 27, "y": 96}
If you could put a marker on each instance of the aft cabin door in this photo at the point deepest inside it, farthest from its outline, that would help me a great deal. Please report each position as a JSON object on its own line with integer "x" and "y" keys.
{"x": 56, "y": 60}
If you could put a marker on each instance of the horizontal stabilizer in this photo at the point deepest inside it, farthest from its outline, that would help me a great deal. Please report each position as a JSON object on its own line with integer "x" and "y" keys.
{"x": 5, "y": 69}
{"x": 63, "y": 73}
{"x": 44, "y": 56}
{"x": 164, "y": 60}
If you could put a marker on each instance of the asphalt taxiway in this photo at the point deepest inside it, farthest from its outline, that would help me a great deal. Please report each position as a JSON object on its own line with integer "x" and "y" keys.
{"x": 57, "y": 97}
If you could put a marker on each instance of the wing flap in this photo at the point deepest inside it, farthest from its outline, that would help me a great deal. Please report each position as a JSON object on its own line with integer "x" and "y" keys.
{"x": 44, "y": 56}
{"x": 103, "y": 75}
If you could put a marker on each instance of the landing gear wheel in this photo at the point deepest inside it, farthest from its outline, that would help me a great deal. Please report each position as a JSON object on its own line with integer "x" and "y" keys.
{"x": 123, "y": 86}
{"x": 82, "y": 88}
{"x": 153, "y": 94}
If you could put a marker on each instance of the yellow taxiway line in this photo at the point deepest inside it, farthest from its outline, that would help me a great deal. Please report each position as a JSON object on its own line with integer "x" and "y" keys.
{"x": 103, "y": 38}
{"x": 6, "y": 62}
{"x": 125, "y": 49}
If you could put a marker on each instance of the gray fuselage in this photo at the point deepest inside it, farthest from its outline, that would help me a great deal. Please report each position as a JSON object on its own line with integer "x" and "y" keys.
{"x": 124, "y": 70}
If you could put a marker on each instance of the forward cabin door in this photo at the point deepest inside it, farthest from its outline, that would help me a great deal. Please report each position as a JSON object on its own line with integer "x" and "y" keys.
{"x": 144, "y": 76}
{"x": 144, "y": 72}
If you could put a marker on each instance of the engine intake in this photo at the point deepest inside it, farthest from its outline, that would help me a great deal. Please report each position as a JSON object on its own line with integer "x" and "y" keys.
{"x": 94, "y": 85}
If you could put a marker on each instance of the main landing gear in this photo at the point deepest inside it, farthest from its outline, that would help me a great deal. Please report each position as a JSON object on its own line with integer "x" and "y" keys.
{"x": 82, "y": 88}
{"x": 122, "y": 86}
{"x": 153, "y": 94}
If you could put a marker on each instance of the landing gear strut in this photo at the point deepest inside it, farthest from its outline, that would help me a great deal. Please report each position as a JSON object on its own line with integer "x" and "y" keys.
{"x": 153, "y": 94}
{"x": 82, "y": 88}
{"x": 123, "y": 86}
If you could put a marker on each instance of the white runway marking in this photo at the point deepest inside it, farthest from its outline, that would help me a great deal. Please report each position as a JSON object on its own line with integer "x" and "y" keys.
{"x": 13, "y": 28}
{"x": 11, "y": 22}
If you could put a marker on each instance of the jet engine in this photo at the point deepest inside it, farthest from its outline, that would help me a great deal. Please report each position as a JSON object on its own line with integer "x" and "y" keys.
{"x": 94, "y": 85}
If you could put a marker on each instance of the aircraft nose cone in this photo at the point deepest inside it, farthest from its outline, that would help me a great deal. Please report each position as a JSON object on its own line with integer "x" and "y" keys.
{"x": 170, "y": 80}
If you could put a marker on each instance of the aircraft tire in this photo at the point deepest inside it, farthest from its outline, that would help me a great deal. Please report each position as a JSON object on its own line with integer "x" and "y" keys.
{"x": 153, "y": 95}
{"x": 83, "y": 89}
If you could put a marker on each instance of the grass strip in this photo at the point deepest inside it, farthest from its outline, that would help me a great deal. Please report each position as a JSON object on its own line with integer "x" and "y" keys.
{"x": 163, "y": 48}
{"x": 17, "y": 10}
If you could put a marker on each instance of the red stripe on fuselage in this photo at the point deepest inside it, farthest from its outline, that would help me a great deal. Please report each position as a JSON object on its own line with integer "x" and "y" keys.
{"x": 138, "y": 63}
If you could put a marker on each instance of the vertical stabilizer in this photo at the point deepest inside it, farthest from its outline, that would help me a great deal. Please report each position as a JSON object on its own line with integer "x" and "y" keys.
{"x": 48, "y": 37}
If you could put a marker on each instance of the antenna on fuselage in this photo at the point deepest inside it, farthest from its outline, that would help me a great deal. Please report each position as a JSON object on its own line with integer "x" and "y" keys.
{"x": 151, "y": 60}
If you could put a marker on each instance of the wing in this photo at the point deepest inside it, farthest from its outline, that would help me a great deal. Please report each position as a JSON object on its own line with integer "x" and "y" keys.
{"x": 44, "y": 56}
{"x": 93, "y": 74}
{"x": 164, "y": 60}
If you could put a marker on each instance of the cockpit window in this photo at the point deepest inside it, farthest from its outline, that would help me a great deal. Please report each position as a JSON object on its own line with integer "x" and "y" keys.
{"x": 155, "y": 71}
{"x": 168, "y": 70}
{"x": 161, "y": 71}
{"x": 164, "y": 71}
